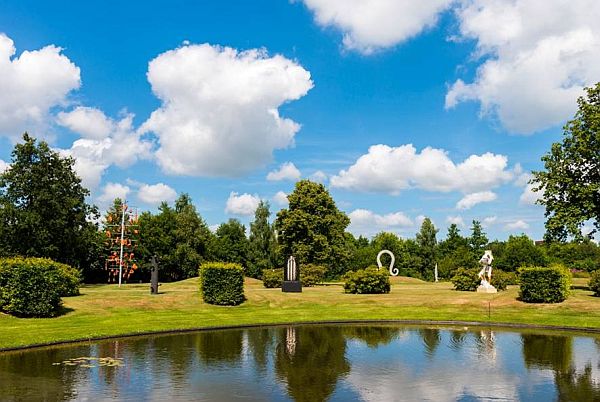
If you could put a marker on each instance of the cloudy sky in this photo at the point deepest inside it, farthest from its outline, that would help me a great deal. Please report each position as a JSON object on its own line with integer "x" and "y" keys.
{"x": 402, "y": 109}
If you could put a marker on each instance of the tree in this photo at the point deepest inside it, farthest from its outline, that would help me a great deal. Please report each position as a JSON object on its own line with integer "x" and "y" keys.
{"x": 262, "y": 242}
{"x": 43, "y": 212}
{"x": 232, "y": 244}
{"x": 478, "y": 240}
{"x": 570, "y": 183}
{"x": 426, "y": 239}
{"x": 312, "y": 228}
{"x": 519, "y": 251}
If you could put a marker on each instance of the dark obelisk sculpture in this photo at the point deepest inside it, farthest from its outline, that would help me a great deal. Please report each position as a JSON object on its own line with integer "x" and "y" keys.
{"x": 291, "y": 276}
{"x": 154, "y": 276}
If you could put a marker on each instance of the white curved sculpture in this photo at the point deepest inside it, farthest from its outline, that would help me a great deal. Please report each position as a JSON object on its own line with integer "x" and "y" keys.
{"x": 393, "y": 271}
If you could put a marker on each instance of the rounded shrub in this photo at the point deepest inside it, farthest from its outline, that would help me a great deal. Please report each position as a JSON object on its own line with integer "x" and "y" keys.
{"x": 594, "y": 283}
{"x": 544, "y": 284}
{"x": 370, "y": 280}
{"x": 222, "y": 283}
{"x": 272, "y": 278}
{"x": 31, "y": 287}
{"x": 466, "y": 279}
{"x": 501, "y": 279}
{"x": 311, "y": 274}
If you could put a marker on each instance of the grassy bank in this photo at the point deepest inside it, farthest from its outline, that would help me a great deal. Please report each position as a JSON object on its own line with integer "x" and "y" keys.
{"x": 104, "y": 310}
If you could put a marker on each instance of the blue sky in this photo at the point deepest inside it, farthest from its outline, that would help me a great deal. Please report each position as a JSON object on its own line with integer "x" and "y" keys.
{"x": 209, "y": 98}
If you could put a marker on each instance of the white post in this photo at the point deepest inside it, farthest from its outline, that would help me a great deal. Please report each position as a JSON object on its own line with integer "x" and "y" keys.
{"x": 436, "y": 272}
{"x": 123, "y": 206}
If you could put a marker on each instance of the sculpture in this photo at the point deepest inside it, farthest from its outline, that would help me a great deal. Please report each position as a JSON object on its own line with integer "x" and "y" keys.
{"x": 486, "y": 273}
{"x": 393, "y": 271}
{"x": 291, "y": 276}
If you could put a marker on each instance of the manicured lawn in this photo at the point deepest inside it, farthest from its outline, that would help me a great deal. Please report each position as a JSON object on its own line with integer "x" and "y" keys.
{"x": 104, "y": 310}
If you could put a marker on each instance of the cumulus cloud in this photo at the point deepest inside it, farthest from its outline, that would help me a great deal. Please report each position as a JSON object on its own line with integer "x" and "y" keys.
{"x": 538, "y": 55}
{"x": 470, "y": 200}
{"x": 154, "y": 194}
{"x": 3, "y": 166}
{"x": 489, "y": 221}
{"x": 241, "y": 204}
{"x": 365, "y": 222}
{"x": 286, "y": 171}
{"x": 392, "y": 169}
{"x": 318, "y": 176}
{"x": 219, "y": 114}
{"x": 121, "y": 146}
{"x": 30, "y": 85}
{"x": 517, "y": 225}
{"x": 457, "y": 220}
{"x": 370, "y": 25}
{"x": 110, "y": 191}
{"x": 281, "y": 199}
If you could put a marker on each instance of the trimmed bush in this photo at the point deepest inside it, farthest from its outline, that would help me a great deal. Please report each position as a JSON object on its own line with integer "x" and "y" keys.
{"x": 370, "y": 280}
{"x": 311, "y": 274}
{"x": 544, "y": 285}
{"x": 466, "y": 280}
{"x": 32, "y": 287}
{"x": 501, "y": 279}
{"x": 272, "y": 278}
{"x": 71, "y": 279}
{"x": 594, "y": 283}
{"x": 222, "y": 283}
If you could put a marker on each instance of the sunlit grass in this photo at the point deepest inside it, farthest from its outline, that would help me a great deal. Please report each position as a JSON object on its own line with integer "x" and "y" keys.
{"x": 104, "y": 310}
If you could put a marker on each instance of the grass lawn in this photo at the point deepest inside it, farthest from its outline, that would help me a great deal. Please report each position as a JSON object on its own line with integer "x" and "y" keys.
{"x": 104, "y": 310}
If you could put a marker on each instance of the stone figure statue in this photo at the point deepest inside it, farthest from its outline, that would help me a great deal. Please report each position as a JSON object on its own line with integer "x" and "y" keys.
{"x": 486, "y": 271}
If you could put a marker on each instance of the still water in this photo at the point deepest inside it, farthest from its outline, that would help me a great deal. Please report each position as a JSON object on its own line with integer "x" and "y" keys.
{"x": 314, "y": 363}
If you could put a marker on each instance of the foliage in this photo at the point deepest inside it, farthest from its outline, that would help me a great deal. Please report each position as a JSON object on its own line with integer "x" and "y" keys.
{"x": 370, "y": 280}
{"x": 517, "y": 252}
{"x": 312, "y": 228}
{"x": 583, "y": 255}
{"x": 570, "y": 184}
{"x": 222, "y": 283}
{"x": 451, "y": 261}
{"x": 32, "y": 287}
{"x": 501, "y": 279}
{"x": 426, "y": 239}
{"x": 466, "y": 279}
{"x": 594, "y": 283}
{"x": 272, "y": 278}
{"x": 232, "y": 244}
{"x": 262, "y": 242}
{"x": 312, "y": 274}
{"x": 478, "y": 240}
{"x": 43, "y": 212}
{"x": 544, "y": 284}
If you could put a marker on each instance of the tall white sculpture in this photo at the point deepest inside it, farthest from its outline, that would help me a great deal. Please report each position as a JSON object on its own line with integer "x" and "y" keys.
{"x": 486, "y": 273}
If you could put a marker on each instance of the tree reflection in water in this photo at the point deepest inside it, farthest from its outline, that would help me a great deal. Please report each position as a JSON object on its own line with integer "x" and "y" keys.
{"x": 431, "y": 339}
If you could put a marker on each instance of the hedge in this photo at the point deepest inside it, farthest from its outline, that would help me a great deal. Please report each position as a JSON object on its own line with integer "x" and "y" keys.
{"x": 312, "y": 274}
{"x": 466, "y": 279}
{"x": 222, "y": 283}
{"x": 272, "y": 278}
{"x": 594, "y": 283}
{"x": 371, "y": 280}
{"x": 544, "y": 285}
{"x": 501, "y": 279}
{"x": 32, "y": 287}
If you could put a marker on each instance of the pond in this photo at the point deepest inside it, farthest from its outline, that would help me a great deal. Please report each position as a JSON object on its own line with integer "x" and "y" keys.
{"x": 313, "y": 363}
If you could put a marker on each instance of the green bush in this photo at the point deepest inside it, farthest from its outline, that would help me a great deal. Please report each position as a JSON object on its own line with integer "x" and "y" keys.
{"x": 31, "y": 287}
{"x": 501, "y": 279}
{"x": 272, "y": 278}
{"x": 466, "y": 279}
{"x": 311, "y": 274}
{"x": 594, "y": 283}
{"x": 71, "y": 280}
{"x": 370, "y": 280}
{"x": 544, "y": 285}
{"x": 222, "y": 283}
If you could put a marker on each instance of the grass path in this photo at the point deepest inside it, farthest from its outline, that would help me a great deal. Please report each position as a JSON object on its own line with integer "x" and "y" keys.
{"x": 105, "y": 310}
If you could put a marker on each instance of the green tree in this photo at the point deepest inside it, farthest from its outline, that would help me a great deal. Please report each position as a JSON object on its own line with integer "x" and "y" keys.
{"x": 517, "y": 252}
{"x": 427, "y": 241}
{"x": 43, "y": 212}
{"x": 478, "y": 240}
{"x": 262, "y": 242}
{"x": 312, "y": 228}
{"x": 570, "y": 183}
{"x": 232, "y": 244}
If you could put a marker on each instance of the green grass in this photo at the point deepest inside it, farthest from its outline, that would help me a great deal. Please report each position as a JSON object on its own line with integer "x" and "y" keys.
{"x": 106, "y": 310}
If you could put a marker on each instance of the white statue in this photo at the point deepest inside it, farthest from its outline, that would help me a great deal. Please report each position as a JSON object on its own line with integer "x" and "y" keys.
{"x": 393, "y": 271}
{"x": 486, "y": 272}
{"x": 291, "y": 269}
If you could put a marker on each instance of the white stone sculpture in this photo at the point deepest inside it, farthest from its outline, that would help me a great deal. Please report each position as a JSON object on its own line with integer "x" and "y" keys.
{"x": 393, "y": 271}
{"x": 486, "y": 273}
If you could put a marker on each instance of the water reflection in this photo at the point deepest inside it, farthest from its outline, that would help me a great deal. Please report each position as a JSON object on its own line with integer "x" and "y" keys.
{"x": 316, "y": 363}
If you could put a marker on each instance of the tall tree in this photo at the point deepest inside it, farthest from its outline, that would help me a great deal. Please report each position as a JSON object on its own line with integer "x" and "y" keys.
{"x": 232, "y": 243}
{"x": 312, "y": 228}
{"x": 262, "y": 242}
{"x": 570, "y": 183}
{"x": 478, "y": 239}
{"x": 43, "y": 212}
{"x": 427, "y": 241}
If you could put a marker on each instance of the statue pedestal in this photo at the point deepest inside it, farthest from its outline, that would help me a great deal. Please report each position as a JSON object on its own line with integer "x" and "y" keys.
{"x": 486, "y": 289}
{"x": 291, "y": 286}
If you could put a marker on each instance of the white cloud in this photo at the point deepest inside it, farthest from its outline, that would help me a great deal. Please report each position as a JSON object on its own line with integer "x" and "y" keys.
{"x": 154, "y": 194}
{"x": 3, "y": 166}
{"x": 110, "y": 191}
{"x": 470, "y": 200}
{"x": 489, "y": 221}
{"x": 318, "y": 176}
{"x": 517, "y": 225}
{"x": 392, "y": 169}
{"x": 219, "y": 114}
{"x": 122, "y": 147}
{"x": 365, "y": 222}
{"x": 30, "y": 85}
{"x": 529, "y": 197}
{"x": 457, "y": 220}
{"x": 286, "y": 171}
{"x": 538, "y": 55}
{"x": 370, "y": 25}
{"x": 281, "y": 199}
{"x": 86, "y": 121}
{"x": 242, "y": 204}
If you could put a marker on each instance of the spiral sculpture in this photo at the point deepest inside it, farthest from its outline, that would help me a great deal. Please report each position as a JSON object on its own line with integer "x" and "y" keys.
{"x": 393, "y": 271}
